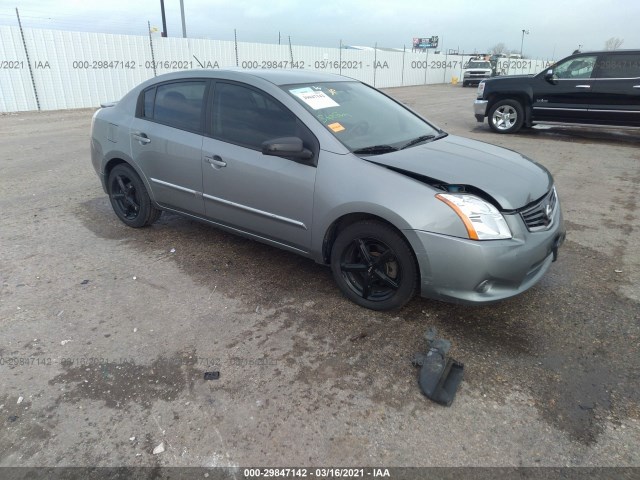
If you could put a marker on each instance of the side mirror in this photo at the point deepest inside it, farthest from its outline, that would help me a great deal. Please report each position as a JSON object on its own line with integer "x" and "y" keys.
{"x": 289, "y": 147}
{"x": 550, "y": 77}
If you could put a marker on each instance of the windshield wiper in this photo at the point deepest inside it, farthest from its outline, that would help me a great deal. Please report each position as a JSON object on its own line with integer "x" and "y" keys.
{"x": 415, "y": 141}
{"x": 376, "y": 149}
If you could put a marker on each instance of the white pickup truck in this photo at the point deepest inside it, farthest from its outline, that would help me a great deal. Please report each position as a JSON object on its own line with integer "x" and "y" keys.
{"x": 475, "y": 71}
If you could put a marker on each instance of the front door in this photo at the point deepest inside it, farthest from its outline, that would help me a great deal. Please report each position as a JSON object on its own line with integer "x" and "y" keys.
{"x": 566, "y": 98}
{"x": 267, "y": 196}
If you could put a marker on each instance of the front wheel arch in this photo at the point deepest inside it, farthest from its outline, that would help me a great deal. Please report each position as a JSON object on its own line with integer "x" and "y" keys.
{"x": 374, "y": 265}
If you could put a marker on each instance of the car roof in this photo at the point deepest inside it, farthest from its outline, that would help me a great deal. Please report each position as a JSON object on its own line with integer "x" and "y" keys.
{"x": 277, "y": 77}
{"x": 609, "y": 52}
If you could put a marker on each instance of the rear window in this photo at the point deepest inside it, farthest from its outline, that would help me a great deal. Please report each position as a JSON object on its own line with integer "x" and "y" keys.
{"x": 179, "y": 105}
{"x": 618, "y": 66}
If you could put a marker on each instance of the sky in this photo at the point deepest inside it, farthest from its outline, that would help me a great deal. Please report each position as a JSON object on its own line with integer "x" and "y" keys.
{"x": 555, "y": 28}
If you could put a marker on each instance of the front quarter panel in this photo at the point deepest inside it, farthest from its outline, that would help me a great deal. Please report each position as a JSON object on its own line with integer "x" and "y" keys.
{"x": 346, "y": 184}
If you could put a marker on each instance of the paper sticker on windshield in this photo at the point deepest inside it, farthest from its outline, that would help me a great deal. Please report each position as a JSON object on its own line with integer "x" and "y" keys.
{"x": 336, "y": 127}
{"x": 316, "y": 100}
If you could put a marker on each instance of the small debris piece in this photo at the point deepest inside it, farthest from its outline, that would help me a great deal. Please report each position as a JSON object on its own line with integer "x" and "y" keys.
{"x": 173, "y": 250}
{"x": 138, "y": 454}
{"x": 159, "y": 449}
{"x": 211, "y": 375}
{"x": 20, "y": 400}
{"x": 135, "y": 330}
{"x": 358, "y": 336}
{"x": 84, "y": 282}
{"x": 135, "y": 278}
{"x": 617, "y": 271}
{"x": 131, "y": 439}
{"x": 13, "y": 418}
{"x": 64, "y": 342}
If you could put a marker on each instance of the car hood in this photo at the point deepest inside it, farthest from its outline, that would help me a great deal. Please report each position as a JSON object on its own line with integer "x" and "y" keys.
{"x": 511, "y": 179}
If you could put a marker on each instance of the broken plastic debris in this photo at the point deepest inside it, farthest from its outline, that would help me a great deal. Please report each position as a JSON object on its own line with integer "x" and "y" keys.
{"x": 159, "y": 449}
{"x": 211, "y": 375}
{"x": 64, "y": 342}
{"x": 439, "y": 376}
{"x": 131, "y": 439}
{"x": 84, "y": 282}
{"x": 135, "y": 278}
{"x": 618, "y": 271}
{"x": 135, "y": 330}
{"x": 19, "y": 400}
{"x": 173, "y": 250}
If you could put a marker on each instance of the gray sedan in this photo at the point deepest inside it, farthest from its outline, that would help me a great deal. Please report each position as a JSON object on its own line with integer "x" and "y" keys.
{"x": 335, "y": 170}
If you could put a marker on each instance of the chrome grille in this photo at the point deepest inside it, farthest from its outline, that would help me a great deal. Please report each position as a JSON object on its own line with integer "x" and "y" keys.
{"x": 540, "y": 216}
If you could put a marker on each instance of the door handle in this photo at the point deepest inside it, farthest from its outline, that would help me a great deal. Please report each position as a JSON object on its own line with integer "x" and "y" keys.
{"x": 216, "y": 161}
{"x": 636, "y": 86}
{"x": 583, "y": 86}
{"x": 141, "y": 137}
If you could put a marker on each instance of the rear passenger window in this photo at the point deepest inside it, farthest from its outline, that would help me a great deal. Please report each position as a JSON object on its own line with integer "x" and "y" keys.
{"x": 179, "y": 105}
{"x": 246, "y": 117}
{"x": 147, "y": 104}
{"x": 618, "y": 66}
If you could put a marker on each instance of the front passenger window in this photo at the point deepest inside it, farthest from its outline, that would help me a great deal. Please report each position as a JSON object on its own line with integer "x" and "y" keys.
{"x": 246, "y": 117}
{"x": 580, "y": 67}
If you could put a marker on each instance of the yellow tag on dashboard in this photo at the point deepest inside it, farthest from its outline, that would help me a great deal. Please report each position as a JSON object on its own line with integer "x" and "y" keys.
{"x": 336, "y": 127}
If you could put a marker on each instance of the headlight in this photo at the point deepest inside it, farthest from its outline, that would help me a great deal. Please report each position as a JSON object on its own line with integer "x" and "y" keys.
{"x": 482, "y": 220}
{"x": 466, "y": 74}
{"x": 480, "y": 89}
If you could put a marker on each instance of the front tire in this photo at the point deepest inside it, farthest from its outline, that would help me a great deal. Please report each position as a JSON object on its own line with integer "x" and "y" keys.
{"x": 129, "y": 198}
{"x": 374, "y": 266}
{"x": 506, "y": 116}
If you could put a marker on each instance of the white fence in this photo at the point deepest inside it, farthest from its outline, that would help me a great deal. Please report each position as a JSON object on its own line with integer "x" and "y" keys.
{"x": 53, "y": 69}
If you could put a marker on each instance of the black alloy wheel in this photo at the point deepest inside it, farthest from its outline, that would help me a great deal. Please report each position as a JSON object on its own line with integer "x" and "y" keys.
{"x": 374, "y": 266}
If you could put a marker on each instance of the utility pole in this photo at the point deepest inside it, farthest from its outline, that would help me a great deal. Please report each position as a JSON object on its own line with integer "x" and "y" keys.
{"x": 184, "y": 25}
{"x": 522, "y": 42}
{"x": 164, "y": 19}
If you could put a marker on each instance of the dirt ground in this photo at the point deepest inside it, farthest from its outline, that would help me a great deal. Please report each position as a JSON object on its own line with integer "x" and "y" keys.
{"x": 105, "y": 333}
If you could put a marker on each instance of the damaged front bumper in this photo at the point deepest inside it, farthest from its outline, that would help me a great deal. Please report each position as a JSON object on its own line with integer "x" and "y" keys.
{"x": 475, "y": 272}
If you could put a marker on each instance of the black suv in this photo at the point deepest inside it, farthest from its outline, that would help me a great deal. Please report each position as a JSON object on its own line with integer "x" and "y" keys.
{"x": 597, "y": 88}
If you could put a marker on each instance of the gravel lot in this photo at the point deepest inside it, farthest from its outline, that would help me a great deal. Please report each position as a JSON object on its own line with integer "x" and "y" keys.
{"x": 115, "y": 330}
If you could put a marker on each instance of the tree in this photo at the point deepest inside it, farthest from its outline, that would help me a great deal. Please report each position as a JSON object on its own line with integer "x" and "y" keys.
{"x": 498, "y": 48}
{"x": 613, "y": 43}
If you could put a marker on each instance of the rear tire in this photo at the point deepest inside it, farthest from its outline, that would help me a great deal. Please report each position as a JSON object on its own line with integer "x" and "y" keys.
{"x": 374, "y": 266}
{"x": 506, "y": 116}
{"x": 129, "y": 198}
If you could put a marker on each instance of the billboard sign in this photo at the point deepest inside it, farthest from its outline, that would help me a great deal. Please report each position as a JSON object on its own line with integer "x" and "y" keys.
{"x": 423, "y": 43}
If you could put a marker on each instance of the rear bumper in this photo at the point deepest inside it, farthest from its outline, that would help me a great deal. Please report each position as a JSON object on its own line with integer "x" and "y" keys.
{"x": 480, "y": 109}
{"x": 476, "y": 272}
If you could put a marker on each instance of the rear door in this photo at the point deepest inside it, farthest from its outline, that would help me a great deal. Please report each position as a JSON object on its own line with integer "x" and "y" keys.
{"x": 616, "y": 96}
{"x": 567, "y": 98}
{"x": 267, "y": 196}
{"x": 166, "y": 142}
